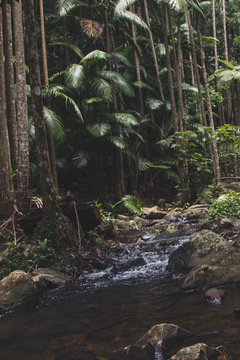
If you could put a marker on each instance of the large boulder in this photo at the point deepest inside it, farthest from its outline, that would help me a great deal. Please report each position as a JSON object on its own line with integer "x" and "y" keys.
{"x": 17, "y": 290}
{"x": 160, "y": 339}
{"x": 198, "y": 351}
{"x": 204, "y": 243}
{"x": 50, "y": 278}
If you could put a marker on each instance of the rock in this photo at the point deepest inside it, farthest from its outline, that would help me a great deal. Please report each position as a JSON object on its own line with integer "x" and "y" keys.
{"x": 153, "y": 213}
{"x": 162, "y": 339}
{"x": 214, "y": 295}
{"x": 198, "y": 351}
{"x": 46, "y": 278}
{"x": 17, "y": 290}
{"x": 199, "y": 246}
{"x": 223, "y": 223}
{"x": 196, "y": 212}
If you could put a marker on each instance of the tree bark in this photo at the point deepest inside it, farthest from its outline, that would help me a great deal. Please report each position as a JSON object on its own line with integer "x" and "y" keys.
{"x": 10, "y": 85}
{"x": 46, "y": 183}
{"x": 22, "y": 109}
{"x": 5, "y": 179}
{"x": 46, "y": 82}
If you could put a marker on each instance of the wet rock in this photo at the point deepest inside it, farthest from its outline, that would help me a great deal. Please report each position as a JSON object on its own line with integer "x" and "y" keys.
{"x": 195, "y": 212}
{"x": 162, "y": 339}
{"x": 153, "y": 213}
{"x": 17, "y": 290}
{"x": 199, "y": 246}
{"x": 129, "y": 264}
{"x": 198, "y": 351}
{"x": 214, "y": 295}
{"x": 223, "y": 223}
{"x": 46, "y": 278}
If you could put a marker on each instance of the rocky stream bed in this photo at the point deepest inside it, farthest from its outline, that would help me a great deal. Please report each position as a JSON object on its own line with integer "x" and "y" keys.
{"x": 175, "y": 262}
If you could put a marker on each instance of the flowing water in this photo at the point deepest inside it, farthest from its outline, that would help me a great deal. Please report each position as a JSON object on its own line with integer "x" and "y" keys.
{"x": 113, "y": 308}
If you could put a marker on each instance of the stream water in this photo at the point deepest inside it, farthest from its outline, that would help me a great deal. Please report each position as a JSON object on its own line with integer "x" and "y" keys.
{"x": 113, "y": 308}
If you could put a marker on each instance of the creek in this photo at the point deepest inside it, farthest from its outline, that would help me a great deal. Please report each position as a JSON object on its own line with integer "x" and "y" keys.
{"x": 113, "y": 308}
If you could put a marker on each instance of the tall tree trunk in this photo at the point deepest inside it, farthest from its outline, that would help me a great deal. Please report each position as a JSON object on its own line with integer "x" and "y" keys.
{"x": 46, "y": 82}
{"x": 22, "y": 109}
{"x": 46, "y": 184}
{"x": 154, "y": 52}
{"x": 209, "y": 107}
{"x": 225, "y": 37}
{"x": 203, "y": 118}
{"x": 10, "y": 85}
{"x": 5, "y": 179}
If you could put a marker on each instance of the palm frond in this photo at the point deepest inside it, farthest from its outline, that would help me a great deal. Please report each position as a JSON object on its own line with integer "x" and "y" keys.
{"x": 58, "y": 91}
{"x": 188, "y": 87}
{"x": 132, "y": 203}
{"x": 102, "y": 89}
{"x": 74, "y": 75}
{"x": 125, "y": 119}
{"x": 96, "y": 55}
{"x": 81, "y": 159}
{"x": 99, "y": 129}
{"x": 117, "y": 141}
{"x": 54, "y": 123}
{"x": 119, "y": 82}
{"x": 121, "y": 58}
{"x": 129, "y": 16}
{"x": 123, "y": 5}
{"x": 142, "y": 85}
{"x": 57, "y": 75}
{"x": 91, "y": 28}
{"x": 92, "y": 100}
{"x": 154, "y": 104}
{"x": 73, "y": 47}
{"x": 63, "y": 7}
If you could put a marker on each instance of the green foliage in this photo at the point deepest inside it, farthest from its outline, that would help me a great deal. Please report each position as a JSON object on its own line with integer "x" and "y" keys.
{"x": 229, "y": 205}
{"x": 25, "y": 256}
{"x": 132, "y": 204}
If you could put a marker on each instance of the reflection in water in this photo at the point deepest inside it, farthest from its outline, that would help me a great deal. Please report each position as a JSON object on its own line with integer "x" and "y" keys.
{"x": 95, "y": 323}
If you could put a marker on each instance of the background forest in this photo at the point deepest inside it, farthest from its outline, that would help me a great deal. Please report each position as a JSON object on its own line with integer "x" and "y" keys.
{"x": 108, "y": 98}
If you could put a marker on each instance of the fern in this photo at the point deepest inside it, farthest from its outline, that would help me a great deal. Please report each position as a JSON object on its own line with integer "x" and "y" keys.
{"x": 132, "y": 204}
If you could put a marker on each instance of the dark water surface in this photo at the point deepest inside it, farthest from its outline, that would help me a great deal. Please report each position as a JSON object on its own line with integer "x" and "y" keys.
{"x": 93, "y": 323}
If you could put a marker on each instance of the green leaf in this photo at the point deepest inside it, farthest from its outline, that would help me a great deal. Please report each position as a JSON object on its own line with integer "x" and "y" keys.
{"x": 96, "y": 55}
{"x": 74, "y": 48}
{"x": 102, "y": 89}
{"x": 125, "y": 118}
{"x": 98, "y": 129}
{"x": 74, "y": 75}
{"x": 54, "y": 123}
{"x": 188, "y": 87}
{"x": 119, "y": 82}
{"x": 65, "y": 6}
{"x": 121, "y": 58}
{"x": 58, "y": 91}
{"x": 117, "y": 141}
{"x": 81, "y": 158}
{"x": 142, "y": 85}
{"x": 128, "y": 15}
{"x": 92, "y": 100}
{"x": 154, "y": 104}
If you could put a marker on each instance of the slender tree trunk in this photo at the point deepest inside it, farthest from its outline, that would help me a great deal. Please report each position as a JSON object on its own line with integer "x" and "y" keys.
{"x": 203, "y": 118}
{"x": 154, "y": 52}
{"x": 225, "y": 37}
{"x": 10, "y": 85}
{"x": 22, "y": 109}
{"x": 46, "y": 82}
{"x": 5, "y": 179}
{"x": 46, "y": 184}
{"x": 209, "y": 107}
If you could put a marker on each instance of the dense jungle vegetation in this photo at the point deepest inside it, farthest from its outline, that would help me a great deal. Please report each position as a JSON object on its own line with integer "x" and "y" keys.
{"x": 108, "y": 98}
